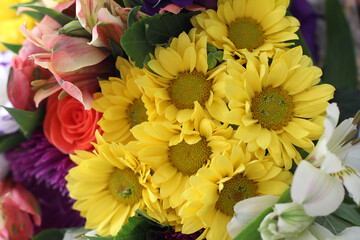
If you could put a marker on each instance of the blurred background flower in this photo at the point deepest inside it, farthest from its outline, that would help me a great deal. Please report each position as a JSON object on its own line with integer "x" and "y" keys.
{"x": 10, "y": 23}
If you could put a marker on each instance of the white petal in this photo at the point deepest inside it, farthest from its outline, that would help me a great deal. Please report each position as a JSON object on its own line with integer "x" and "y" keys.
{"x": 305, "y": 235}
{"x": 331, "y": 163}
{"x": 320, "y": 232}
{"x": 331, "y": 120}
{"x": 351, "y": 180}
{"x": 247, "y": 210}
{"x": 353, "y": 159}
{"x": 319, "y": 193}
{"x": 234, "y": 227}
{"x": 350, "y": 233}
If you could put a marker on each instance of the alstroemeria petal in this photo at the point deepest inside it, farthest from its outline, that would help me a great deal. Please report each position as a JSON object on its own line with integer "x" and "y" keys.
{"x": 331, "y": 120}
{"x": 351, "y": 180}
{"x": 331, "y": 163}
{"x": 320, "y": 232}
{"x": 109, "y": 27}
{"x": 247, "y": 210}
{"x": 350, "y": 233}
{"x": 77, "y": 52}
{"x": 319, "y": 193}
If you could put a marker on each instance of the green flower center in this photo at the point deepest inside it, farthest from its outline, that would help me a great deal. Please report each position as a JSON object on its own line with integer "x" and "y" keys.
{"x": 137, "y": 112}
{"x": 273, "y": 108}
{"x": 125, "y": 186}
{"x": 246, "y": 33}
{"x": 188, "y": 88}
{"x": 236, "y": 189}
{"x": 188, "y": 158}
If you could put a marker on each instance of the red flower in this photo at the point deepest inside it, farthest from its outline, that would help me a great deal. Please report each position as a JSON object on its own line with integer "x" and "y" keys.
{"x": 16, "y": 207}
{"x": 68, "y": 126}
{"x": 23, "y": 72}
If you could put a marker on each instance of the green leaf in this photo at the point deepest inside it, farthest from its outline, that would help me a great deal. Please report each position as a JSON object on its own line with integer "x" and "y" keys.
{"x": 59, "y": 17}
{"x": 15, "y": 48}
{"x": 211, "y": 61}
{"x": 135, "y": 44}
{"x": 251, "y": 231}
{"x": 132, "y": 17}
{"x": 36, "y": 15}
{"x": 348, "y": 213}
{"x": 138, "y": 228}
{"x": 27, "y": 120}
{"x": 142, "y": 37}
{"x": 161, "y": 29}
{"x": 8, "y": 142}
{"x": 348, "y": 101}
{"x": 339, "y": 63}
{"x": 333, "y": 223}
{"x": 53, "y": 234}
{"x": 116, "y": 49}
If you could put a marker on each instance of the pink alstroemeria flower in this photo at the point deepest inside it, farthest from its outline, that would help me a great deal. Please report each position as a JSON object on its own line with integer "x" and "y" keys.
{"x": 104, "y": 19}
{"x": 16, "y": 207}
{"x": 67, "y": 58}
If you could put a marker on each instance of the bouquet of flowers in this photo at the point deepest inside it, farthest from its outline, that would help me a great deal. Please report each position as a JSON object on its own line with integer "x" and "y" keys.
{"x": 167, "y": 119}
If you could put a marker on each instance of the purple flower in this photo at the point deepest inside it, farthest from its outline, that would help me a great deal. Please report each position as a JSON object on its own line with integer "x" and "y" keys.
{"x": 38, "y": 159}
{"x": 172, "y": 235}
{"x": 42, "y": 168}
{"x": 56, "y": 208}
{"x": 307, "y": 16}
{"x": 152, "y": 7}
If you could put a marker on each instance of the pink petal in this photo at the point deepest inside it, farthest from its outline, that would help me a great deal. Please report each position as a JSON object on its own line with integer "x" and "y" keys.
{"x": 173, "y": 8}
{"x": 70, "y": 54}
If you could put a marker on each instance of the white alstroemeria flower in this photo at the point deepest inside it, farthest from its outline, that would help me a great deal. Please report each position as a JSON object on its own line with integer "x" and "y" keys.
{"x": 317, "y": 182}
{"x": 247, "y": 210}
{"x": 287, "y": 221}
{"x": 4, "y": 166}
{"x": 7, "y": 124}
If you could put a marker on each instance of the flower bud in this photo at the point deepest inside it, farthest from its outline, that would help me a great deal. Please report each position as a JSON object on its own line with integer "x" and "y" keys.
{"x": 74, "y": 29}
{"x": 288, "y": 220}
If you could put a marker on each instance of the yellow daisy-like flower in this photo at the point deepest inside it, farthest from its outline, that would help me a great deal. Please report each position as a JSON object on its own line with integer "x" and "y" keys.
{"x": 176, "y": 152}
{"x": 10, "y": 23}
{"x": 108, "y": 186}
{"x": 182, "y": 78}
{"x": 230, "y": 178}
{"x": 277, "y": 106}
{"x": 122, "y": 103}
{"x": 255, "y": 25}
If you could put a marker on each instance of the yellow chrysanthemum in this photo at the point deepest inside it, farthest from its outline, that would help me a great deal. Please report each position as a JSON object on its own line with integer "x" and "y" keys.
{"x": 255, "y": 25}
{"x": 174, "y": 153}
{"x": 10, "y": 23}
{"x": 277, "y": 107}
{"x": 182, "y": 78}
{"x": 230, "y": 178}
{"x": 108, "y": 186}
{"x": 122, "y": 103}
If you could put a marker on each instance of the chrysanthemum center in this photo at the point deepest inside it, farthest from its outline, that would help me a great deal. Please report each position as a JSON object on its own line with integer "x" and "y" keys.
{"x": 246, "y": 33}
{"x": 236, "y": 189}
{"x": 272, "y": 107}
{"x": 125, "y": 186}
{"x": 188, "y": 158}
{"x": 137, "y": 113}
{"x": 188, "y": 88}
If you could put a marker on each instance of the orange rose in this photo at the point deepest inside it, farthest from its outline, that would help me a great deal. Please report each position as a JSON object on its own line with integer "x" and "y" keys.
{"x": 68, "y": 126}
